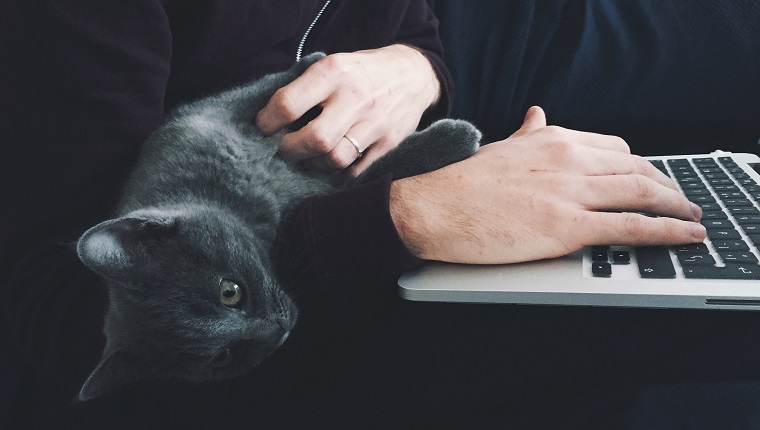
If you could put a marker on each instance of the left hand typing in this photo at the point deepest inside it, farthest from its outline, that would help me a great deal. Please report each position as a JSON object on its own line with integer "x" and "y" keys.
{"x": 375, "y": 97}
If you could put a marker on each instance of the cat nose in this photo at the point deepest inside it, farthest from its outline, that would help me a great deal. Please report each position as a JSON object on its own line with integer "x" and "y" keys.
{"x": 266, "y": 331}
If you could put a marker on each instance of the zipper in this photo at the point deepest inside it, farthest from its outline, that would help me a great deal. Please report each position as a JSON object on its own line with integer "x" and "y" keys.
{"x": 301, "y": 44}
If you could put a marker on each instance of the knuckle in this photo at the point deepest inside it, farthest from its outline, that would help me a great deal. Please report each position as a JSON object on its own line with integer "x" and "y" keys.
{"x": 620, "y": 144}
{"x": 333, "y": 64}
{"x": 338, "y": 159}
{"x": 641, "y": 188}
{"x": 555, "y": 133}
{"x": 285, "y": 103}
{"x": 632, "y": 228}
{"x": 641, "y": 164}
{"x": 320, "y": 141}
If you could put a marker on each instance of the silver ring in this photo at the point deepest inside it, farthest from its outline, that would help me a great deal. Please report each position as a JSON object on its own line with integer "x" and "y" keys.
{"x": 355, "y": 143}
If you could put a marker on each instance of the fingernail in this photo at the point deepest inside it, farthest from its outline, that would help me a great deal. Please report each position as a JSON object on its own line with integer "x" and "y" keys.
{"x": 696, "y": 212}
{"x": 698, "y": 231}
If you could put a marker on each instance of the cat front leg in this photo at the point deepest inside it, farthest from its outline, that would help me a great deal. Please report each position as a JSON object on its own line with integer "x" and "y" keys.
{"x": 444, "y": 142}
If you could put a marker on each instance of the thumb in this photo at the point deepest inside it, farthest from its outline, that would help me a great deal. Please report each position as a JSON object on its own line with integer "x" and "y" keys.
{"x": 535, "y": 118}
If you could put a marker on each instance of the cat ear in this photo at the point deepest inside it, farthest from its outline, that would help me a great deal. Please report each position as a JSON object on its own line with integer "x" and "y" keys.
{"x": 116, "y": 247}
{"x": 116, "y": 369}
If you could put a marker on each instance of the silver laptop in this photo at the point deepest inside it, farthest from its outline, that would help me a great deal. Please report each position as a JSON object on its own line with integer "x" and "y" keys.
{"x": 721, "y": 273}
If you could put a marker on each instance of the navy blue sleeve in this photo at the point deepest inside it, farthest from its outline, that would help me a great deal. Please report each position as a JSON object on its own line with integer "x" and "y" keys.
{"x": 666, "y": 76}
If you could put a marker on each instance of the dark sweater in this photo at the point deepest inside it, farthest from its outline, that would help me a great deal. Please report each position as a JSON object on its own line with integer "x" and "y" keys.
{"x": 84, "y": 82}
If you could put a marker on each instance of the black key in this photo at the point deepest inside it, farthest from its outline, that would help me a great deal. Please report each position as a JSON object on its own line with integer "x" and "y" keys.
{"x": 708, "y": 207}
{"x": 731, "y": 195}
{"x": 706, "y": 198}
{"x": 685, "y": 174}
{"x": 696, "y": 192}
{"x": 712, "y": 176}
{"x": 743, "y": 211}
{"x": 741, "y": 174}
{"x": 599, "y": 253}
{"x": 730, "y": 271}
{"x": 721, "y": 224}
{"x": 654, "y": 262}
{"x": 696, "y": 259}
{"x": 688, "y": 179}
{"x": 720, "y": 181}
{"x": 714, "y": 215}
{"x": 603, "y": 270}
{"x": 693, "y": 186}
{"x": 692, "y": 248}
{"x": 755, "y": 239}
{"x": 678, "y": 162}
{"x": 723, "y": 234}
{"x": 710, "y": 169}
{"x": 703, "y": 160}
{"x": 730, "y": 245}
{"x": 738, "y": 257}
{"x": 748, "y": 219}
{"x": 719, "y": 188}
{"x": 737, "y": 202}
{"x": 621, "y": 257}
{"x": 751, "y": 228}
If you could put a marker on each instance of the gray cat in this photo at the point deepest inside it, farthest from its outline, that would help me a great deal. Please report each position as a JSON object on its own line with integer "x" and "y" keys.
{"x": 192, "y": 289}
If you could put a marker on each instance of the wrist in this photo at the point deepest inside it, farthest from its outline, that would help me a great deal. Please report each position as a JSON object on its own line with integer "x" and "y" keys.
{"x": 412, "y": 218}
{"x": 432, "y": 86}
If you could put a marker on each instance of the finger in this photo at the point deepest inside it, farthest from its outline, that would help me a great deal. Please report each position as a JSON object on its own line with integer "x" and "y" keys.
{"x": 323, "y": 134}
{"x": 597, "y": 162}
{"x": 640, "y": 230}
{"x": 636, "y": 193}
{"x": 293, "y": 100}
{"x": 535, "y": 118}
{"x": 345, "y": 153}
{"x": 375, "y": 151}
{"x": 602, "y": 141}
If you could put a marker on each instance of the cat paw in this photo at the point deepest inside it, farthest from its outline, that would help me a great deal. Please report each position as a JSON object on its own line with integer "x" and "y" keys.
{"x": 456, "y": 138}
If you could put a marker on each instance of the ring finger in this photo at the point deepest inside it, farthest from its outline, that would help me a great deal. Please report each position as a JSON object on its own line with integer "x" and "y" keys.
{"x": 350, "y": 147}
{"x": 606, "y": 162}
{"x": 639, "y": 194}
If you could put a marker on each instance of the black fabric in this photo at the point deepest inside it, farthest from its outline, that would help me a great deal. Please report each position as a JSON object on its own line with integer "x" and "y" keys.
{"x": 412, "y": 365}
{"x": 84, "y": 82}
{"x": 669, "y": 77}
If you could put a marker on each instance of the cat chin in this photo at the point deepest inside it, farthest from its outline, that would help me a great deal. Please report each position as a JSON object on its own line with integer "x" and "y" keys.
{"x": 283, "y": 339}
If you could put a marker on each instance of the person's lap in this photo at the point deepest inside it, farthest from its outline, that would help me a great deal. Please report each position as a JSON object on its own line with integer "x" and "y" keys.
{"x": 446, "y": 364}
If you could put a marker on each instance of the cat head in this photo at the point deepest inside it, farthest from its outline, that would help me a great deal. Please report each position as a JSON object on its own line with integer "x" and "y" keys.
{"x": 192, "y": 296}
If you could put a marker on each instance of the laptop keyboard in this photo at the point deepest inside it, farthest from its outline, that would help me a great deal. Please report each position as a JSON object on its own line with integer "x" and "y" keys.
{"x": 729, "y": 199}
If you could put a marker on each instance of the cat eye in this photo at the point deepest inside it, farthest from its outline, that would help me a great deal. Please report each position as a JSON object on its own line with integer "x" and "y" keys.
{"x": 223, "y": 358}
{"x": 230, "y": 293}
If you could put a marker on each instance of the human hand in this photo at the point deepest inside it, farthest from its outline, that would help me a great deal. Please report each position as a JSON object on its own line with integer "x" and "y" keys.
{"x": 544, "y": 192}
{"x": 376, "y": 97}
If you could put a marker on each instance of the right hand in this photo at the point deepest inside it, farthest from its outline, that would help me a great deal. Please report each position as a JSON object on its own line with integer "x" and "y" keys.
{"x": 376, "y": 96}
{"x": 543, "y": 192}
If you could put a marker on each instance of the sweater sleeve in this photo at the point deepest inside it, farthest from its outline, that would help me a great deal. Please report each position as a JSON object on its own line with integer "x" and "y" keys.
{"x": 419, "y": 28}
{"x": 339, "y": 257}
{"x": 84, "y": 86}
